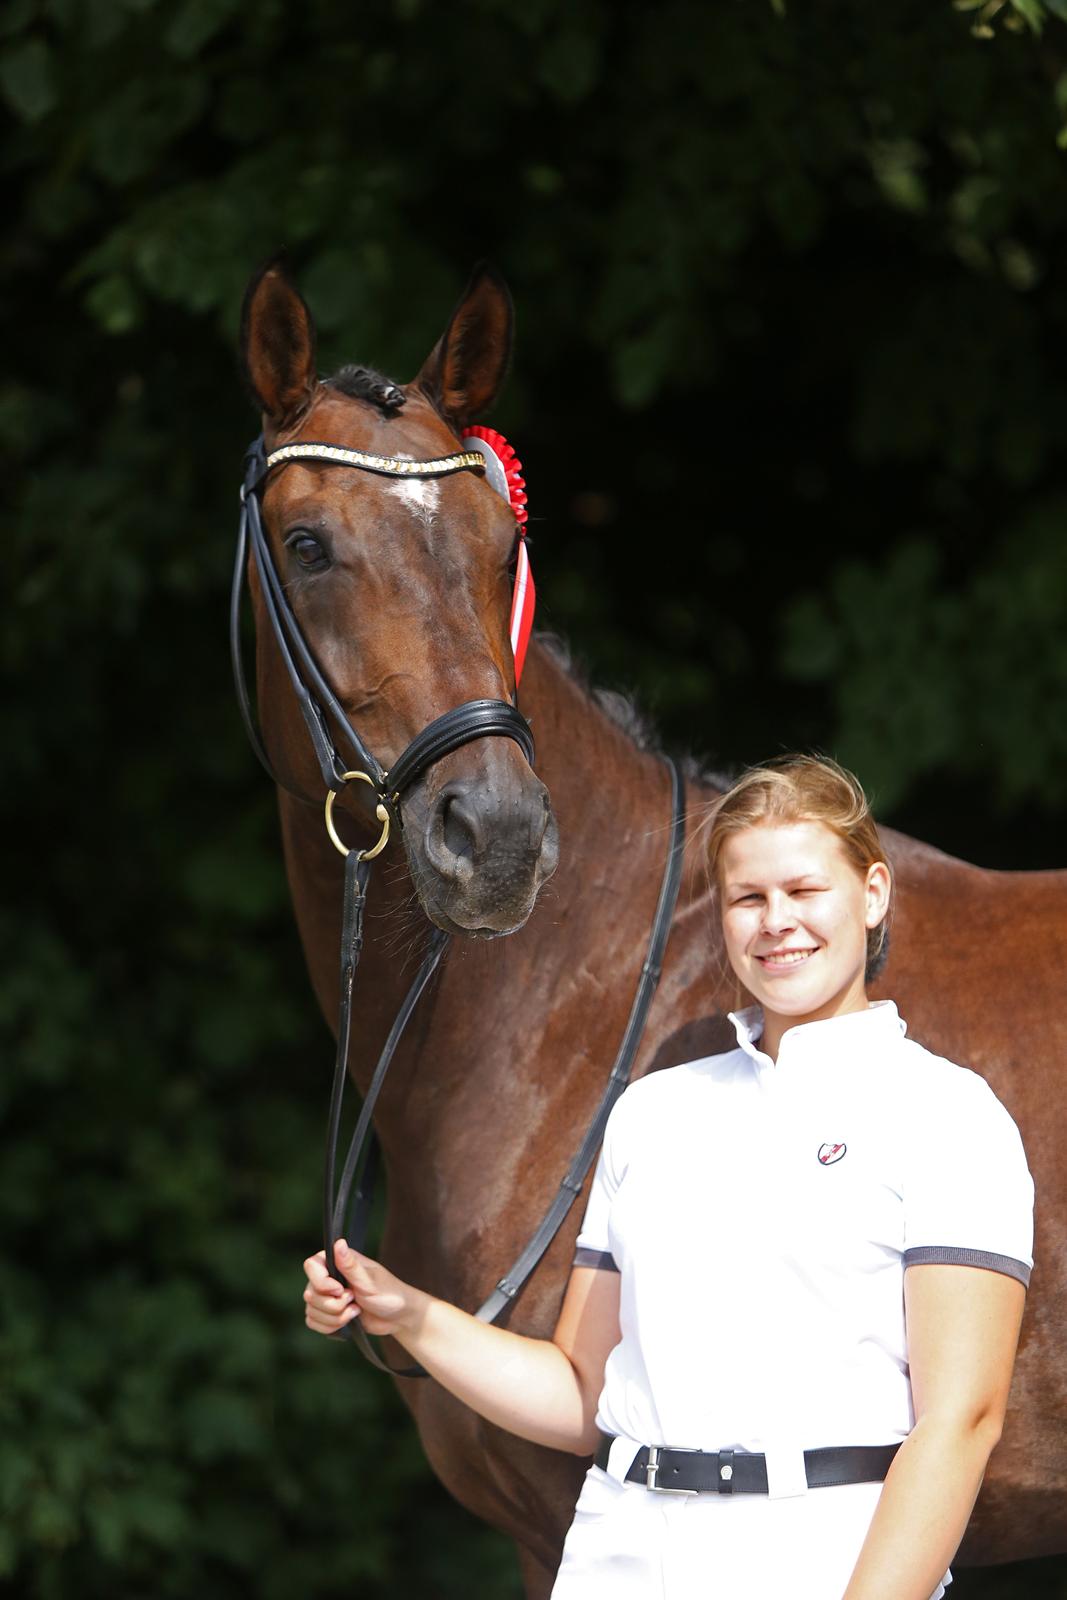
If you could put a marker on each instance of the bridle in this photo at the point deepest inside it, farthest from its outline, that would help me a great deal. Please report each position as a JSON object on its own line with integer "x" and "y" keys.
{"x": 347, "y": 1203}
{"x": 475, "y": 719}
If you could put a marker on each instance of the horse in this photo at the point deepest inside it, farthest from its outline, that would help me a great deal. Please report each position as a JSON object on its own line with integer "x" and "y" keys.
{"x": 402, "y": 589}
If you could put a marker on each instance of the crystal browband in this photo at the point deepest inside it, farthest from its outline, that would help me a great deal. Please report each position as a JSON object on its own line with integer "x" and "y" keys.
{"x": 390, "y": 466}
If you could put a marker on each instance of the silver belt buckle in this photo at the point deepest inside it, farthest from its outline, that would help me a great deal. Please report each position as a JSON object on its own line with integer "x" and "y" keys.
{"x": 652, "y": 1472}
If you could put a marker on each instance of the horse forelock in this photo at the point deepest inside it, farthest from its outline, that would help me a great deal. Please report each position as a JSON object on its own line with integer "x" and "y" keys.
{"x": 364, "y": 383}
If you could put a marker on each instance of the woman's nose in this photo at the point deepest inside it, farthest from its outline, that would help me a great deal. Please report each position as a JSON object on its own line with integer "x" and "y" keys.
{"x": 778, "y": 913}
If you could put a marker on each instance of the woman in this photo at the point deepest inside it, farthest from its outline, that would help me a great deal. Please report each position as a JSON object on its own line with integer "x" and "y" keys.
{"x": 799, "y": 1283}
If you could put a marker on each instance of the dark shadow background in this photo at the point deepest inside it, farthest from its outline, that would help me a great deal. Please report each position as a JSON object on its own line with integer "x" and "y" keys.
{"x": 790, "y": 395}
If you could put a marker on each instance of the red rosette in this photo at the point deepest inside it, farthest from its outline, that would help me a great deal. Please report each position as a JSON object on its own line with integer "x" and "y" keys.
{"x": 512, "y": 468}
{"x": 504, "y": 475}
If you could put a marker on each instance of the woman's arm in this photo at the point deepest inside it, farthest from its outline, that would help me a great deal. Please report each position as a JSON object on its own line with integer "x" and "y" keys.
{"x": 542, "y": 1389}
{"x": 963, "y": 1327}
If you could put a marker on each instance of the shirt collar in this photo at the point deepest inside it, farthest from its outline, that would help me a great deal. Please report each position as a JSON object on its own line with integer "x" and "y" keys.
{"x": 881, "y": 1022}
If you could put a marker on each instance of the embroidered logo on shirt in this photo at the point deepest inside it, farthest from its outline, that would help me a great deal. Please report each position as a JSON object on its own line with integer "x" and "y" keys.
{"x": 829, "y": 1153}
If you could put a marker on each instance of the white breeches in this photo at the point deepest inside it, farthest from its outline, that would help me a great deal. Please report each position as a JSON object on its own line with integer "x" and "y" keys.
{"x": 626, "y": 1543}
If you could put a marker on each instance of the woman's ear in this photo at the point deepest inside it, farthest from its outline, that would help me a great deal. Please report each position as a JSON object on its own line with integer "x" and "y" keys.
{"x": 277, "y": 345}
{"x": 879, "y": 887}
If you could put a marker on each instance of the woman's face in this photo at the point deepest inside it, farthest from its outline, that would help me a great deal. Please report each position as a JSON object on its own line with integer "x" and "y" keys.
{"x": 795, "y": 915}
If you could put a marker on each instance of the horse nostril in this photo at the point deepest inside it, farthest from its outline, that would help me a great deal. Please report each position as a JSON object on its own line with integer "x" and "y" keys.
{"x": 454, "y": 835}
{"x": 460, "y": 828}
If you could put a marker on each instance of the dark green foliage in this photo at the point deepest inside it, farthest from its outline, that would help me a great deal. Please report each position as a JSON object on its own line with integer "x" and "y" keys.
{"x": 790, "y": 392}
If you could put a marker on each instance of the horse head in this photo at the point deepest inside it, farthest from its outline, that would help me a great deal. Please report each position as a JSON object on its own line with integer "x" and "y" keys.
{"x": 401, "y": 587}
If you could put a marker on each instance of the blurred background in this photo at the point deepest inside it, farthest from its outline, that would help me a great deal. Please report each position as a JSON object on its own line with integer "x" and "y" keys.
{"x": 790, "y": 394}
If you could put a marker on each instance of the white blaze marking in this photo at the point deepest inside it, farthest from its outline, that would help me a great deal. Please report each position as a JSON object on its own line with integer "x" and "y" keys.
{"x": 421, "y": 495}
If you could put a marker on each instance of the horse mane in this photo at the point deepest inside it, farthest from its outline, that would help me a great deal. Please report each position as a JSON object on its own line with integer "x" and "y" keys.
{"x": 364, "y": 383}
{"x": 623, "y": 710}
{"x": 619, "y": 708}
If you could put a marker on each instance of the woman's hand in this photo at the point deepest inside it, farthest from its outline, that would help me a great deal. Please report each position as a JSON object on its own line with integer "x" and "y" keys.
{"x": 542, "y": 1389}
{"x": 386, "y": 1303}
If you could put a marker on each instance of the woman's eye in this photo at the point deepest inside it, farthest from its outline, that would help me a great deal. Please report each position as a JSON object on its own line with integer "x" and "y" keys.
{"x": 308, "y": 551}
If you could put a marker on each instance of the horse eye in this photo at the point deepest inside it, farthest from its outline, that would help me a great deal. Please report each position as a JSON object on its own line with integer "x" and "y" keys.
{"x": 308, "y": 551}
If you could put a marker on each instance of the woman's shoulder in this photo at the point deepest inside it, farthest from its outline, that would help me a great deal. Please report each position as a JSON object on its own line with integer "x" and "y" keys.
{"x": 687, "y": 1077}
{"x": 937, "y": 1084}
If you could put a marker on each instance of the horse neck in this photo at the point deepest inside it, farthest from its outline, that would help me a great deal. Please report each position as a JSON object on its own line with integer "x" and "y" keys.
{"x": 611, "y": 798}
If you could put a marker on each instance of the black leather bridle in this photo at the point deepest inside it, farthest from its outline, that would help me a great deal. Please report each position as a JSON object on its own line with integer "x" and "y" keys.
{"x": 475, "y": 719}
{"x": 347, "y": 1202}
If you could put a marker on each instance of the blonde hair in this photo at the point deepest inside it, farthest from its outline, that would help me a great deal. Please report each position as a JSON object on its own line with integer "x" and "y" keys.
{"x": 799, "y": 788}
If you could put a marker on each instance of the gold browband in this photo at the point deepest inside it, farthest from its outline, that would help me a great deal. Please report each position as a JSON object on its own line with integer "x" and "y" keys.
{"x": 391, "y": 466}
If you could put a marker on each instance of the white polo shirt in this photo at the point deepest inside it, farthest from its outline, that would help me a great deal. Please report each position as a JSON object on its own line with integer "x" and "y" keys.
{"x": 762, "y": 1216}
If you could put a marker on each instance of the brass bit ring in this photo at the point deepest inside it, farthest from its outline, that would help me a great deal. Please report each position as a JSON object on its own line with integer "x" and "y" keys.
{"x": 380, "y": 812}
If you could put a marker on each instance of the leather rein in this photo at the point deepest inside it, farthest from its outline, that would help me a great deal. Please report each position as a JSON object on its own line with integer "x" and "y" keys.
{"x": 347, "y": 1201}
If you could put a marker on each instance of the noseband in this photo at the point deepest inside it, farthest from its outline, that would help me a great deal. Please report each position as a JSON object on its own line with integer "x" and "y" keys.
{"x": 475, "y": 719}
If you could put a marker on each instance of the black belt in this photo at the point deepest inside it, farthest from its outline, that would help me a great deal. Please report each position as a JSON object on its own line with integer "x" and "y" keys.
{"x": 745, "y": 1472}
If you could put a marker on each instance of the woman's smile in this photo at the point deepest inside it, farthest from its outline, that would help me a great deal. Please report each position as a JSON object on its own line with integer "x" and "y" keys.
{"x": 785, "y": 960}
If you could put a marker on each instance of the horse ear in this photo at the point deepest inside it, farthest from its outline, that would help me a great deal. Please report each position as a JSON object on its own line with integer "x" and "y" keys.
{"x": 277, "y": 344}
{"x": 465, "y": 370}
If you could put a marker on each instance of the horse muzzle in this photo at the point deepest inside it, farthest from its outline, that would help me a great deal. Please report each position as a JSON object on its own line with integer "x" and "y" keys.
{"x": 479, "y": 852}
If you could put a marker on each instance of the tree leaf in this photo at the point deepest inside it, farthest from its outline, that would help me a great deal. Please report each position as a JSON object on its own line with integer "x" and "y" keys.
{"x": 27, "y": 79}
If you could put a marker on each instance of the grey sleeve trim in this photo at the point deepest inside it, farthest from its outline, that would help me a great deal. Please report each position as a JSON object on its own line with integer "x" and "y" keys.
{"x": 951, "y": 1254}
{"x": 584, "y": 1257}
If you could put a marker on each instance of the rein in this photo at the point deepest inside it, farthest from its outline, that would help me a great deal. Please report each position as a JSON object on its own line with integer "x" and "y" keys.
{"x": 474, "y": 719}
{"x": 363, "y": 1144}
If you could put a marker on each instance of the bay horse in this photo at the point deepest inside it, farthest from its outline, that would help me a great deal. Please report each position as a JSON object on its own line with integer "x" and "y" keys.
{"x": 402, "y": 589}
